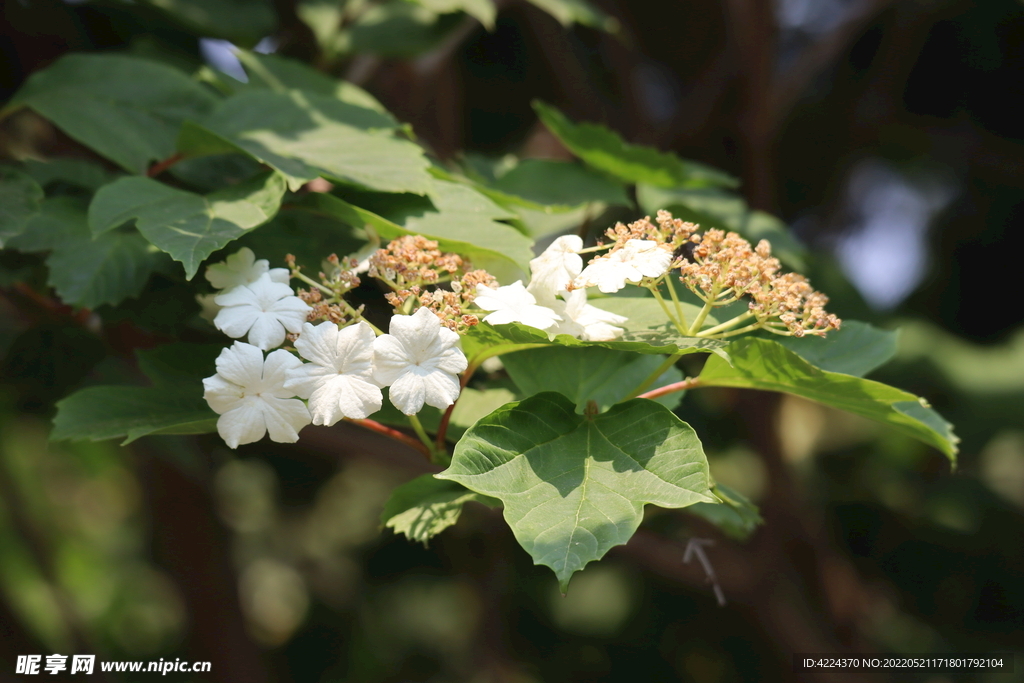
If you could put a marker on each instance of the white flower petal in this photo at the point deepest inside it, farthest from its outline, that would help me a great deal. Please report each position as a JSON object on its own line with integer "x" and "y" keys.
{"x": 452, "y": 361}
{"x": 355, "y": 350}
{"x": 266, "y": 332}
{"x": 235, "y": 321}
{"x": 221, "y": 394}
{"x": 241, "y": 363}
{"x": 408, "y": 393}
{"x": 513, "y": 303}
{"x": 318, "y": 343}
{"x": 275, "y": 372}
{"x": 243, "y": 424}
{"x": 636, "y": 260}
{"x": 280, "y": 275}
{"x": 240, "y": 268}
{"x": 304, "y": 379}
{"x": 442, "y": 389}
{"x": 284, "y": 418}
{"x": 555, "y": 268}
{"x": 344, "y": 396}
{"x": 390, "y": 359}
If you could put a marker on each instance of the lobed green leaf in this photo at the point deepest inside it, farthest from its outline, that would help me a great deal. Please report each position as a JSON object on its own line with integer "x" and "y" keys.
{"x": 20, "y": 197}
{"x": 735, "y": 515}
{"x": 574, "y": 486}
{"x": 424, "y": 507}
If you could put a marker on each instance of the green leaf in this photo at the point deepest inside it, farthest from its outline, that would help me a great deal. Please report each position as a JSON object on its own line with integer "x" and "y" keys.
{"x": 560, "y": 184}
{"x": 101, "y": 413}
{"x": 81, "y": 173}
{"x": 186, "y": 225}
{"x": 575, "y": 486}
{"x": 85, "y": 271}
{"x": 424, "y": 507}
{"x": 769, "y": 366}
{"x": 400, "y": 30}
{"x": 20, "y": 197}
{"x": 856, "y": 349}
{"x": 714, "y": 208}
{"x": 304, "y": 135}
{"x": 605, "y": 150}
{"x": 569, "y": 12}
{"x": 240, "y": 21}
{"x": 281, "y": 73}
{"x": 735, "y": 515}
{"x": 127, "y": 109}
{"x": 483, "y": 11}
{"x": 463, "y": 224}
{"x": 473, "y": 405}
{"x": 604, "y": 376}
{"x": 180, "y": 363}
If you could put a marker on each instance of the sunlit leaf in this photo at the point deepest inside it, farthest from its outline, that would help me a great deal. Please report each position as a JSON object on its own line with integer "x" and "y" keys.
{"x": 569, "y": 12}
{"x": 769, "y": 366}
{"x": 483, "y": 11}
{"x": 559, "y": 184}
{"x": 574, "y": 486}
{"x": 186, "y": 225}
{"x": 856, "y": 349}
{"x": 604, "y": 149}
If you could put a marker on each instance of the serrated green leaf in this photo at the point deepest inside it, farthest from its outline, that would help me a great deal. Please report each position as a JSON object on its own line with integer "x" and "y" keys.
{"x": 715, "y": 208}
{"x": 127, "y": 109}
{"x": 605, "y": 150}
{"x": 575, "y": 486}
{"x": 186, "y": 225}
{"x": 474, "y": 405}
{"x": 304, "y": 135}
{"x": 84, "y": 271}
{"x": 81, "y": 173}
{"x": 424, "y": 507}
{"x": 101, "y": 413}
{"x": 604, "y": 376}
{"x": 240, "y": 21}
{"x": 855, "y": 349}
{"x": 20, "y": 197}
{"x": 769, "y": 366}
{"x": 483, "y": 11}
{"x": 569, "y": 12}
{"x": 463, "y": 224}
{"x": 735, "y": 515}
{"x": 560, "y": 184}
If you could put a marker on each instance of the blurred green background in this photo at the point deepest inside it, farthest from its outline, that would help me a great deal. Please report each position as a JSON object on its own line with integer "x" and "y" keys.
{"x": 883, "y": 131}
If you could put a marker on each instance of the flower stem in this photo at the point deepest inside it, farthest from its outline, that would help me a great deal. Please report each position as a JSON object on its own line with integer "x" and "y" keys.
{"x": 664, "y": 307}
{"x": 749, "y": 328}
{"x": 375, "y": 426}
{"x": 653, "y": 377}
{"x": 599, "y": 247}
{"x": 675, "y": 300}
{"x": 296, "y": 273}
{"x": 690, "y": 383}
{"x": 435, "y": 455}
{"x": 709, "y": 303}
{"x": 726, "y": 325}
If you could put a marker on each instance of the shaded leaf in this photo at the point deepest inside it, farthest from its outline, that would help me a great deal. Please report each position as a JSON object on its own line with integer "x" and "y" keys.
{"x": 81, "y": 173}
{"x": 240, "y": 21}
{"x": 769, "y": 366}
{"x": 20, "y": 197}
{"x": 559, "y": 184}
{"x": 180, "y": 363}
{"x": 127, "y": 109}
{"x": 101, "y": 413}
{"x": 574, "y": 486}
{"x": 400, "y": 30}
{"x": 186, "y": 225}
{"x": 483, "y": 11}
{"x": 424, "y": 507}
{"x": 604, "y": 376}
{"x": 856, "y": 349}
{"x": 605, "y": 150}
{"x": 569, "y": 12}
{"x": 735, "y": 515}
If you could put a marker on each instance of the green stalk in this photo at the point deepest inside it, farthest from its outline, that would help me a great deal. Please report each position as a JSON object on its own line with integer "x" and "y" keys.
{"x": 709, "y": 303}
{"x": 435, "y": 455}
{"x": 664, "y": 307}
{"x": 675, "y": 300}
{"x": 726, "y": 325}
{"x": 653, "y": 377}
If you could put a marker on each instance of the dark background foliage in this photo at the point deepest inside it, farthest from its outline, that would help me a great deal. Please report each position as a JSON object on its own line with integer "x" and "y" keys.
{"x": 882, "y": 131}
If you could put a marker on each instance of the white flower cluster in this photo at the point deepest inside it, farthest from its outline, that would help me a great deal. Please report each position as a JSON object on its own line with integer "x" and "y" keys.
{"x": 346, "y": 369}
{"x": 556, "y": 298}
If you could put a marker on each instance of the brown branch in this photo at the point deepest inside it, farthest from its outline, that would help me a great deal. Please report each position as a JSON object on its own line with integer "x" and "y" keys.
{"x": 161, "y": 166}
{"x": 375, "y": 426}
{"x": 690, "y": 383}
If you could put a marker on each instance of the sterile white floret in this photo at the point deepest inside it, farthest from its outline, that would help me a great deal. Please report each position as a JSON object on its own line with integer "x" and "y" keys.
{"x": 513, "y": 304}
{"x": 265, "y": 310}
{"x": 338, "y": 380}
{"x": 249, "y": 395}
{"x": 636, "y": 260}
{"x": 555, "y": 268}
{"x": 420, "y": 360}
{"x": 586, "y": 322}
{"x": 242, "y": 268}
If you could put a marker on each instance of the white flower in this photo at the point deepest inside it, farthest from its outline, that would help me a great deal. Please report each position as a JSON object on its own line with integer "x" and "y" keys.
{"x": 339, "y": 379}
{"x": 265, "y": 309}
{"x": 636, "y": 260}
{"x": 242, "y": 268}
{"x": 419, "y": 360}
{"x": 513, "y": 304}
{"x": 249, "y": 395}
{"x": 555, "y": 268}
{"x": 586, "y": 322}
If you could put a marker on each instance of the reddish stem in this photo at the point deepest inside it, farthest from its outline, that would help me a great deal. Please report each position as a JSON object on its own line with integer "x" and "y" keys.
{"x": 394, "y": 434}
{"x": 161, "y": 166}
{"x": 691, "y": 383}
